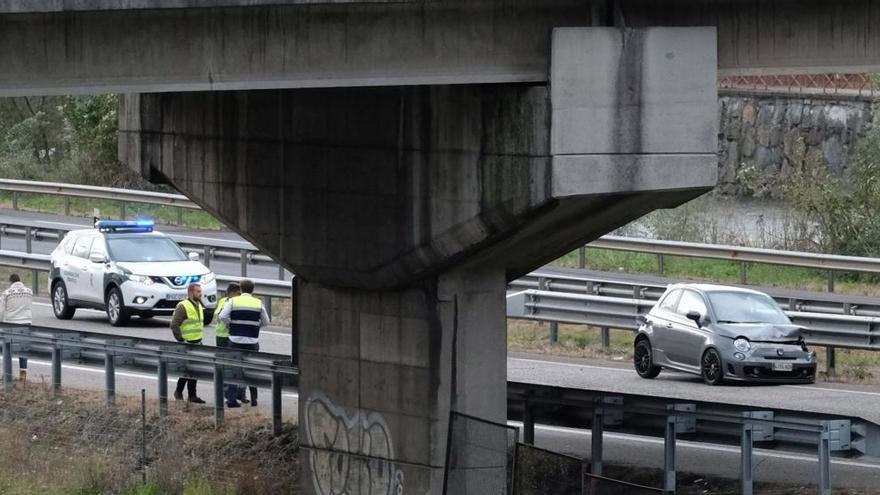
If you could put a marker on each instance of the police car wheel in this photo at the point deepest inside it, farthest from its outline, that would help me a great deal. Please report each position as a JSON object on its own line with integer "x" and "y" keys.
{"x": 60, "y": 305}
{"x": 116, "y": 311}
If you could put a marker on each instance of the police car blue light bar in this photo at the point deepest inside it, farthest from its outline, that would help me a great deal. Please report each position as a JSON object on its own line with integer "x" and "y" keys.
{"x": 140, "y": 225}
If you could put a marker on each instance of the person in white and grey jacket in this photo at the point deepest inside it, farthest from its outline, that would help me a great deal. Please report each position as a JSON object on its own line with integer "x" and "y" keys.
{"x": 15, "y": 303}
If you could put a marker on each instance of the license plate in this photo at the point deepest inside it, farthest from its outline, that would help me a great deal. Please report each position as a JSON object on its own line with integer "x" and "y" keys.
{"x": 175, "y": 297}
{"x": 782, "y": 367}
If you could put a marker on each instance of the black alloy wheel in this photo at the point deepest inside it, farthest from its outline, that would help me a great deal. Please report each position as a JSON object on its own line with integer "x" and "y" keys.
{"x": 643, "y": 360}
{"x": 712, "y": 370}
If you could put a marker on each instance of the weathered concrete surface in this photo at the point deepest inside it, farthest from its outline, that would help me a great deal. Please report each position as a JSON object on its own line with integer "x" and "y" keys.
{"x": 289, "y": 46}
{"x": 299, "y": 44}
{"x": 404, "y": 211}
{"x": 31, "y": 6}
{"x": 408, "y": 358}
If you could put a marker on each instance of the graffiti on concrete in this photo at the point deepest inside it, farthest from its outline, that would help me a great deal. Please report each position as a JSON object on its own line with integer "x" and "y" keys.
{"x": 349, "y": 455}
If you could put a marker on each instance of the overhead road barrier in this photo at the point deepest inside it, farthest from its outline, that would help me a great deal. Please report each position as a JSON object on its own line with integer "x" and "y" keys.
{"x": 151, "y": 356}
{"x": 852, "y": 332}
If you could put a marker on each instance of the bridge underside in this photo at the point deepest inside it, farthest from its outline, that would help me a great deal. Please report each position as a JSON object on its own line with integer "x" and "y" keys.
{"x": 405, "y": 210}
{"x": 94, "y": 46}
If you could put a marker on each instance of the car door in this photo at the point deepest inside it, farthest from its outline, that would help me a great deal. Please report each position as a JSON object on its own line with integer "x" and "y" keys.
{"x": 687, "y": 337}
{"x": 662, "y": 318}
{"x": 94, "y": 285}
{"x": 75, "y": 273}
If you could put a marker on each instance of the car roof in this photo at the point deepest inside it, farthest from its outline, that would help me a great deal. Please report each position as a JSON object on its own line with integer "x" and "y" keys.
{"x": 96, "y": 232}
{"x": 705, "y": 288}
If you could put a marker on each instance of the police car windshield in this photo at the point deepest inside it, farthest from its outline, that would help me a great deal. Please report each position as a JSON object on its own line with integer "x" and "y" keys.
{"x": 144, "y": 249}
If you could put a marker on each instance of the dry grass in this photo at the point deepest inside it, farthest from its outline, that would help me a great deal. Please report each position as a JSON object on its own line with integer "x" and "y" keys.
{"x": 76, "y": 444}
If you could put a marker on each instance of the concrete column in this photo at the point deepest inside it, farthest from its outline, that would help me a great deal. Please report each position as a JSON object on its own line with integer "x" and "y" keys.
{"x": 382, "y": 370}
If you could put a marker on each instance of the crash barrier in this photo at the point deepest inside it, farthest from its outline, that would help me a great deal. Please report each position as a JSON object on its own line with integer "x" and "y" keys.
{"x": 482, "y": 456}
{"x": 852, "y": 332}
{"x": 743, "y": 255}
{"x": 160, "y": 357}
{"x": 671, "y": 419}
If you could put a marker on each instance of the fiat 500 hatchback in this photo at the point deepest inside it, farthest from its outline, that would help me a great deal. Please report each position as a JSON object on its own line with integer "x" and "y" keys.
{"x": 126, "y": 269}
{"x": 722, "y": 333}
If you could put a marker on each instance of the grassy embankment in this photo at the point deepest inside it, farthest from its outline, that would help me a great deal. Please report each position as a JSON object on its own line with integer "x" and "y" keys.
{"x": 84, "y": 207}
{"x": 581, "y": 341}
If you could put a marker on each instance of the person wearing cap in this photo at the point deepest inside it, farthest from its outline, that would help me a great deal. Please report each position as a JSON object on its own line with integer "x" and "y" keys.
{"x": 245, "y": 315}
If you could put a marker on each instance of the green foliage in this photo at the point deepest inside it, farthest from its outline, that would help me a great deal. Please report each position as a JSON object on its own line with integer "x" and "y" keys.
{"x": 845, "y": 212}
{"x": 62, "y": 138}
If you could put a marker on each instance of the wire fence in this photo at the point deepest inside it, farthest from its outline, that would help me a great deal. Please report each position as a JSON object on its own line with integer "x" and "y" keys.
{"x": 484, "y": 457}
{"x": 74, "y": 444}
{"x": 825, "y": 84}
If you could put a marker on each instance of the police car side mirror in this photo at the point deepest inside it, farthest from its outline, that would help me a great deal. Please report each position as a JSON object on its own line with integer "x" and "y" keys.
{"x": 97, "y": 258}
{"x": 194, "y": 256}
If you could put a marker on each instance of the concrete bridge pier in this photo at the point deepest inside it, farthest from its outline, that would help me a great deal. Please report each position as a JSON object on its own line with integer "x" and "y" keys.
{"x": 405, "y": 210}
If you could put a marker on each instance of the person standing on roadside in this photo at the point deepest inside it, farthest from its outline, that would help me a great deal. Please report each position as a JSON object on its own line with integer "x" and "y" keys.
{"x": 222, "y": 335}
{"x": 188, "y": 326}
{"x": 245, "y": 315}
{"x": 16, "y": 302}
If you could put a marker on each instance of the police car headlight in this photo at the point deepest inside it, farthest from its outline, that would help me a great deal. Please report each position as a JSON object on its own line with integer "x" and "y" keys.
{"x": 208, "y": 278}
{"x": 141, "y": 279}
{"x": 742, "y": 344}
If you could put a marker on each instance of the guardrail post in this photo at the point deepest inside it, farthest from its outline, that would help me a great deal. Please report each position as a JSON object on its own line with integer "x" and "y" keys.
{"x": 831, "y": 280}
{"x": 605, "y": 333}
{"x": 276, "y": 404}
{"x": 56, "y": 371}
{"x": 746, "y": 468}
{"x": 163, "y": 387}
{"x": 110, "y": 378}
{"x": 743, "y": 272}
{"x": 28, "y": 241}
{"x": 218, "y": 396}
{"x": 669, "y": 455}
{"x": 207, "y": 256}
{"x": 554, "y": 332}
{"x": 598, "y": 429}
{"x": 830, "y": 360}
{"x": 66, "y": 206}
{"x": 528, "y": 423}
{"x": 244, "y": 263}
{"x": 14, "y": 200}
{"x": 179, "y": 216}
{"x": 35, "y": 274}
{"x": 7, "y": 365}
{"x": 582, "y": 257}
{"x": 124, "y": 211}
{"x": 660, "y": 267}
{"x": 825, "y": 460}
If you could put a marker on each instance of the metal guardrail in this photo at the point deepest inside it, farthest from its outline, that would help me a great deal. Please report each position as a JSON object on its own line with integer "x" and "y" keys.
{"x": 853, "y": 332}
{"x": 695, "y": 421}
{"x": 153, "y": 356}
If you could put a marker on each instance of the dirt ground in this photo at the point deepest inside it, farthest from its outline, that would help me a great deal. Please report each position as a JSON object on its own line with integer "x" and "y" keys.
{"x": 76, "y": 444}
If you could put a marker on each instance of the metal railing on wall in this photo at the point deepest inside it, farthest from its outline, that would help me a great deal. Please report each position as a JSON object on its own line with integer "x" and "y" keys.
{"x": 806, "y": 84}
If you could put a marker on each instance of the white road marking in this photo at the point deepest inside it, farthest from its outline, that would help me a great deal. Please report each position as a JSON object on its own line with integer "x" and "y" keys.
{"x": 701, "y": 446}
{"x": 118, "y": 373}
{"x": 624, "y": 370}
{"x": 265, "y": 332}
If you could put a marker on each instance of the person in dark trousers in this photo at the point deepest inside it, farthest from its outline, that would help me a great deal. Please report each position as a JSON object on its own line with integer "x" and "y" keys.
{"x": 188, "y": 326}
{"x": 245, "y": 315}
{"x": 222, "y": 335}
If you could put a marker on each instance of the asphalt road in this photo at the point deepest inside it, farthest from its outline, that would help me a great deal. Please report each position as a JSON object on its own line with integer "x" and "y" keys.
{"x": 608, "y": 376}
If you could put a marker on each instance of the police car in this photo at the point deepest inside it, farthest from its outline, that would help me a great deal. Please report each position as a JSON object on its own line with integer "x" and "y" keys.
{"x": 126, "y": 269}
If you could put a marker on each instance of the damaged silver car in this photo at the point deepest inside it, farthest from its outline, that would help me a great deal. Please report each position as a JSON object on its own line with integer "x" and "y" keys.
{"x": 722, "y": 333}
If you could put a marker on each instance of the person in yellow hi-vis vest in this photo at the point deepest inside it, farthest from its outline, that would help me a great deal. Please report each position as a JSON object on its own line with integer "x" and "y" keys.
{"x": 222, "y": 335}
{"x": 188, "y": 326}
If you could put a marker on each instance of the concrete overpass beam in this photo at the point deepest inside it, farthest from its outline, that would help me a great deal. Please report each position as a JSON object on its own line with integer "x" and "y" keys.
{"x": 405, "y": 210}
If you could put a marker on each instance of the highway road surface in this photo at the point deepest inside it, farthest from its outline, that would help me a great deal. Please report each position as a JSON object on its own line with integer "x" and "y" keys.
{"x": 613, "y": 377}
{"x": 716, "y": 460}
